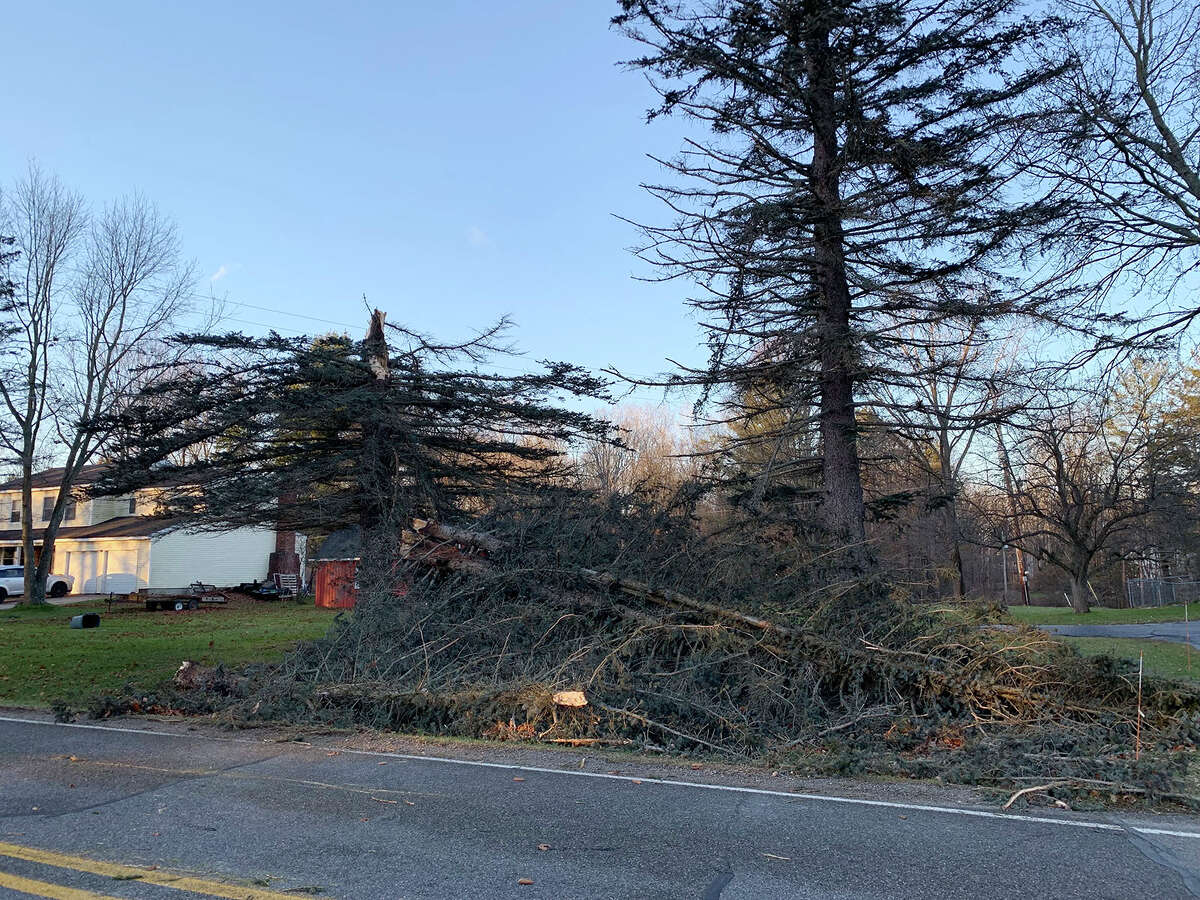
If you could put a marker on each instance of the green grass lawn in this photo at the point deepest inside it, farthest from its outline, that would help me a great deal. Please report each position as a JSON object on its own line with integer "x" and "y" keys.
{"x": 1160, "y": 657}
{"x": 1062, "y": 615}
{"x": 42, "y": 660}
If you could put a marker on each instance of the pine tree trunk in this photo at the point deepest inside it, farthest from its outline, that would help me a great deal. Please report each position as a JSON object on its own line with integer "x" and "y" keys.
{"x": 376, "y": 487}
{"x": 842, "y": 505}
{"x": 955, "y": 546}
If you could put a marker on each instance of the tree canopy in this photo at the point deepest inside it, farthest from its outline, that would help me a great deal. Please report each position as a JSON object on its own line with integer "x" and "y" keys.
{"x": 314, "y": 435}
{"x": 860, "y": 181}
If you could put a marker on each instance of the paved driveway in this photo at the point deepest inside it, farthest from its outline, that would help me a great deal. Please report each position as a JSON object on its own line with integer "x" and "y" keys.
{"x": 69, "y": 600}
{"x": 1175, "y": 632}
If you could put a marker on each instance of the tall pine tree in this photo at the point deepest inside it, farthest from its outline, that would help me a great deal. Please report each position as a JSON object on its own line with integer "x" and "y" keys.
{"x": 859, "y": 180}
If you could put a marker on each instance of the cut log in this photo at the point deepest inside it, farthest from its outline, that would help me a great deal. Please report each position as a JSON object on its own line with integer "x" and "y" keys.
{"x": 570, "y": 698}
{"x": 451, "y": 534}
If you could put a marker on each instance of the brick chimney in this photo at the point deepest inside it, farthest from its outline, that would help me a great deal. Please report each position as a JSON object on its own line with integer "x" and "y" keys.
{"x": 285, "y": 560}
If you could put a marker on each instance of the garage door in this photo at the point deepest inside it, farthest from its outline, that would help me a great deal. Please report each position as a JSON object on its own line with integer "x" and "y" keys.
{"x": 87, "y": 567}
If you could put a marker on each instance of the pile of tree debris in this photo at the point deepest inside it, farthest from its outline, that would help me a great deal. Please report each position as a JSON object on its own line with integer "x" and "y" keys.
{"x": 523, "y": 648}
{"x": 714, "y": 621}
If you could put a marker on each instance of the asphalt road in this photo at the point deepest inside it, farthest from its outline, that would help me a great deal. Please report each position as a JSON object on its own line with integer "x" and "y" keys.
{"x": 1175, "y": 632}
{"x": 69, "y": 600}
{"x": 85, "y": 813}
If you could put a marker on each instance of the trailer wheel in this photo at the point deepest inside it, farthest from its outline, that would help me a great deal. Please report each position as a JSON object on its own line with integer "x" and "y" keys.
{"x": 194, "y": 603}
{"x": 151, "y": 606}
{"x": 178, "y": 606}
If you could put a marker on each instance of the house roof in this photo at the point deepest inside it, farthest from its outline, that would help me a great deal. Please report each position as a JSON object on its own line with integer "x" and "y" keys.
{"x": 120, "y": 527}
{"x": 49, "y": 478}
{"x": 342, "y": 544}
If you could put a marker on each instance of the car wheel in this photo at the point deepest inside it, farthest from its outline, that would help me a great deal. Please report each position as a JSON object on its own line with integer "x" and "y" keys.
{"x": 3, "y": 595}
{"x": 59, "y": 589}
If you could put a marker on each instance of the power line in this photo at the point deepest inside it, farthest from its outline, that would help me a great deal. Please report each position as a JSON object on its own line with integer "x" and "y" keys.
{"x": 265, "y": 325}
{"x": 639, "y": 393}
{"x": 284, "y": 312}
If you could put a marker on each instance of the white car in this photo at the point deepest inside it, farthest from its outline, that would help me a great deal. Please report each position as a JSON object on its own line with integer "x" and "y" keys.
{"x": 12, "y": 583}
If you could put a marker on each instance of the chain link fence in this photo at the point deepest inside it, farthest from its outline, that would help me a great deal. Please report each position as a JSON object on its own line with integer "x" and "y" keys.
{"x": 1143, "y": 592}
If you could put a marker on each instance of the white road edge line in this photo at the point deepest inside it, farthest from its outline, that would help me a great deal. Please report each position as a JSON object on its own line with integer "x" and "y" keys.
{"x": 649, "y": 779}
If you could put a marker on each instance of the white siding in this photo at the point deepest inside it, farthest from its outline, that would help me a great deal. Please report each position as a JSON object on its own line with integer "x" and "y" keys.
{"x": 39, "y": 501}
{"x": 225, "y": 559}
{"x": 87, "y": 511}
{"x": 10, "y": 500}
{"x": 104, "y": 508}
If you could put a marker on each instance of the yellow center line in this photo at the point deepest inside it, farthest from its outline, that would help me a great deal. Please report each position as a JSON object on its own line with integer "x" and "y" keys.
{"x": 114, "y": 764}
{"x": 248, "y": 776}
{"x": 160, "y": 877}
{"x": 46, "y": 889}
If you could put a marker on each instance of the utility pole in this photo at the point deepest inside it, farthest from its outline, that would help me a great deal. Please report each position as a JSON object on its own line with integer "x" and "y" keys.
{"x": 1004, "y": 570}
{"x": 1012, "y": 506}
{"x": 1125, "y": 583}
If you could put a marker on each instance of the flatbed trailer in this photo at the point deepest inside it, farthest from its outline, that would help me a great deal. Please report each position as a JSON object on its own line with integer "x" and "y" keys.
{"x": 196, "y": 596}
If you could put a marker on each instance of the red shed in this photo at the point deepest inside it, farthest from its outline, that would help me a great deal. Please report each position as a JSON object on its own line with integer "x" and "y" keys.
{"x": 334, "y": 583}
{"x": 335, "y": 565}
{"x": 336, "y": 561}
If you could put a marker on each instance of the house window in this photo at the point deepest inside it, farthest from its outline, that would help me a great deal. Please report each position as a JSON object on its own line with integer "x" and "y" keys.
{"x": 132, "y": 505}
{"x": 47, "y": 508}
{"x": 8, "y": 556}
{"x": 14, "y": 512}
{"x": 69, "y": 512}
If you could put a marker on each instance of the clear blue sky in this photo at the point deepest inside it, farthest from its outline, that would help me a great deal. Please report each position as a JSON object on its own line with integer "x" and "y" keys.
{"x": 453, "y": 161}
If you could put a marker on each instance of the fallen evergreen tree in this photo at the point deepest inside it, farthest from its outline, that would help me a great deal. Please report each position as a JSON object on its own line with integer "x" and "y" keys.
{"x": 314, "y": 435}
{"x": 556, "y": 640}
{"x": 688, "y": 626}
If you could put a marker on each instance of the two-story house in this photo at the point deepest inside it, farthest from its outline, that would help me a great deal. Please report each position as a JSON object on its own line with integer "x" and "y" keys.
{"x": 117, "y": 544}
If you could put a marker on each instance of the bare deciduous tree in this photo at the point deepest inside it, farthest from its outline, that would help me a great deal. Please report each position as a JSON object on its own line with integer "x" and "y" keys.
{"x": 93, "y": 296}
{"x": 944, "y": 396}
{"x": 1085, "y": 469}
{"x": 655, "y": 455}
{"x": 8, "y": 330}
{"x": 1126, "y": 144}
{"x": 48, "y": 223}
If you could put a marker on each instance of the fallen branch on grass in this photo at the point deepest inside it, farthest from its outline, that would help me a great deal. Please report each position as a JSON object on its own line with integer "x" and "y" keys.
{"x": 590, "y": 742}
{"x": 638, "y": 717}
{"x": 1116, "y": 787}
{"x": 1032, "y": 790}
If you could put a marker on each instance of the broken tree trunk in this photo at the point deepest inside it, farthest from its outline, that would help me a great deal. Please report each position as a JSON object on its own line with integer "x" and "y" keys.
{"x": 677, "y": 601}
